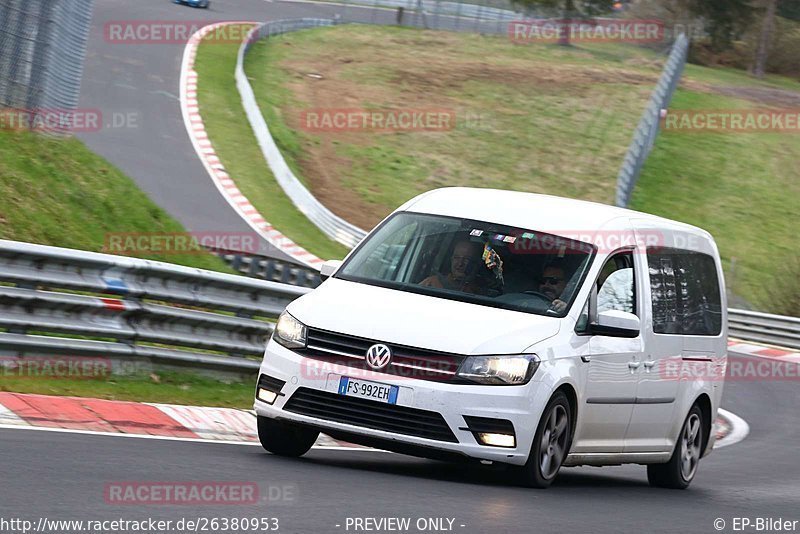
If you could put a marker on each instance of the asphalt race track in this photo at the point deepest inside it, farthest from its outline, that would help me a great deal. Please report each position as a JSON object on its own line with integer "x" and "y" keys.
{"x": 63, "y": 476}
{"x": 141, "y": 81}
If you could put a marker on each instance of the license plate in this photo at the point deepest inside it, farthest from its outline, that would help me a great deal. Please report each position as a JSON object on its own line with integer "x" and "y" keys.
{"x": 366, "y": 389}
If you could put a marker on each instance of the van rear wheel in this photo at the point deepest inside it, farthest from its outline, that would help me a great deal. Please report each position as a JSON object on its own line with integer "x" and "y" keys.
{"x": 285, "y": 439}
{"x": 679, "y": 472}
{"x": 550, "y": 444}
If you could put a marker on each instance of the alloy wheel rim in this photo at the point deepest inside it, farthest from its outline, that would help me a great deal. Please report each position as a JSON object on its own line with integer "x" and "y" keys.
{"x": 553, "y": 444}
{"x": 690, "y": 447}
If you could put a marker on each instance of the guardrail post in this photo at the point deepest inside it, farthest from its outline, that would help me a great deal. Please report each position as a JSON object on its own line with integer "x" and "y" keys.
{"x": 254, "y": 268}
{"x": 236, "y": 262}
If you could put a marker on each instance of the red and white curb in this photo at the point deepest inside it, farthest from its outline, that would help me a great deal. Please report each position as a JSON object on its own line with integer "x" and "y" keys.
{"x": 189, "y": 423}
{"x": 762, "y": 351}
{"x": 133, "y": 419}
{"x": 729, "y": 429}
{"x": 190, "y": 109}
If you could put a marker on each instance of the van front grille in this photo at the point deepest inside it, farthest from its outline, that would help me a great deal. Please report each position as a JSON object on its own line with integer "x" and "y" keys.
{"x": 370, "y": 414}
{"x": 350, "y": 351}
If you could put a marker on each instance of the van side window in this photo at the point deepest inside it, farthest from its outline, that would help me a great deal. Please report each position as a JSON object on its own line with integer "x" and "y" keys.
{"x": 616, "y": 289}
{"x": 685, "y": 292}
{"x": 615, "y": 285}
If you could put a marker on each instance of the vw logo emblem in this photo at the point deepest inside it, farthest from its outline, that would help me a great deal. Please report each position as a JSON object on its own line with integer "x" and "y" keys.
{"x": 379, "y": 356}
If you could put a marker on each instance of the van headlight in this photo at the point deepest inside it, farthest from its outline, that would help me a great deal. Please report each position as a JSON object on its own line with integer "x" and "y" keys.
{"x": 499, "y": 370}
{"x": 290, "y": 332}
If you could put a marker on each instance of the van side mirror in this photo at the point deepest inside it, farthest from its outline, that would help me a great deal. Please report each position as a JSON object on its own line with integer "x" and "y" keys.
{"x": 328, "y": 268}
{"x": 615, "y": 323}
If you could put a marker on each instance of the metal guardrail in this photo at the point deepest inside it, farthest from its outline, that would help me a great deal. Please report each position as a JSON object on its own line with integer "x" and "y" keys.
{"x": 647, "y": 130}
{"x": 267, "y": 268}
{"x": 764, "y": 328}
{"x": 70, "y": 302}
{"x": 57, "y": 301}
{"x": 42, "y": 48}
{"x": 331, "y": 224}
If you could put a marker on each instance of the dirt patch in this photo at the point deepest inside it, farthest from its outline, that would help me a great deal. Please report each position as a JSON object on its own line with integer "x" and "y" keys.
{"x": 781, "y": 98}
{"x": 694, "y": 85}
{"x": 322, "y": 167}
{"x": 450, "y": 76}
{"x": 765, "y": 96}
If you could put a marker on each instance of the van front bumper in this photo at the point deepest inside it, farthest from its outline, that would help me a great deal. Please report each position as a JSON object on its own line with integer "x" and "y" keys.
{"x": 312, "y": 382}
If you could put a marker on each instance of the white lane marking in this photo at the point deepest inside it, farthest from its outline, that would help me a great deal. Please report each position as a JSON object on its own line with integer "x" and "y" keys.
{"x": 167, "y": 438}
{"x": 739, "y": 429}
{"x": 212, "y": 424}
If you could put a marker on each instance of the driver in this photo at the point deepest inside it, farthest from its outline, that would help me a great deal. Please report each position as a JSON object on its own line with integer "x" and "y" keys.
{"x": 463, "y": 261}
{"x": 552, "y": 286}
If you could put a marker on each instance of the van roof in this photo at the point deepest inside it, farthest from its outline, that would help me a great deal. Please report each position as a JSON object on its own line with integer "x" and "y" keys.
{"x": 544, "y": 213}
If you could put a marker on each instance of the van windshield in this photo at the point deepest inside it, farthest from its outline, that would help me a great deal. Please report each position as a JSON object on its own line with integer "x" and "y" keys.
{"x": 472, "y": 261}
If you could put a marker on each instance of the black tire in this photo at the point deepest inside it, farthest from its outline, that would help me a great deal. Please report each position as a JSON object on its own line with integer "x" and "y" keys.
{"x": 681, "y": 469}
{"x": 285, "y": 439}
{"x": 537, "y": 473}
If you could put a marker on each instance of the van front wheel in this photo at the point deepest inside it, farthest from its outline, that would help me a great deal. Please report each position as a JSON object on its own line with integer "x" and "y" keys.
{"x": 679, "y": 472}
{"x": 285, "y": 439}
{"x": 550, "y": 444}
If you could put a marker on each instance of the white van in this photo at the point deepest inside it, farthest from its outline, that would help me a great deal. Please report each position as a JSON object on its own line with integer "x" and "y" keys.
{"x": 511, "y": 327}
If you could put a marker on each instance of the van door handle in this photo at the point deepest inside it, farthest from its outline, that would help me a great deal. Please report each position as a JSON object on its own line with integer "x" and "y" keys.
{"x": 634, "y": 365}
{"x": 586, "y": 359}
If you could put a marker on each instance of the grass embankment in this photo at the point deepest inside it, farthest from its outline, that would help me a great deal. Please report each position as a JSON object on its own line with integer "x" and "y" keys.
{"x": 237, "y": 148}
{"x": 744, "y": 188}
{"x": 58, "y": 192}
{"x": 537, "y": 118}
{"x": 166, "y": 387}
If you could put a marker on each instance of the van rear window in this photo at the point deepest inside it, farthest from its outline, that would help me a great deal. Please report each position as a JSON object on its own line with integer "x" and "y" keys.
{"x": 685, "y": 292}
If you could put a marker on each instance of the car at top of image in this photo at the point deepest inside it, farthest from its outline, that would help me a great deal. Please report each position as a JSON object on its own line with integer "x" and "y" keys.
{"x": 194, "y": 3}
{"x": 517, "y": 328}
